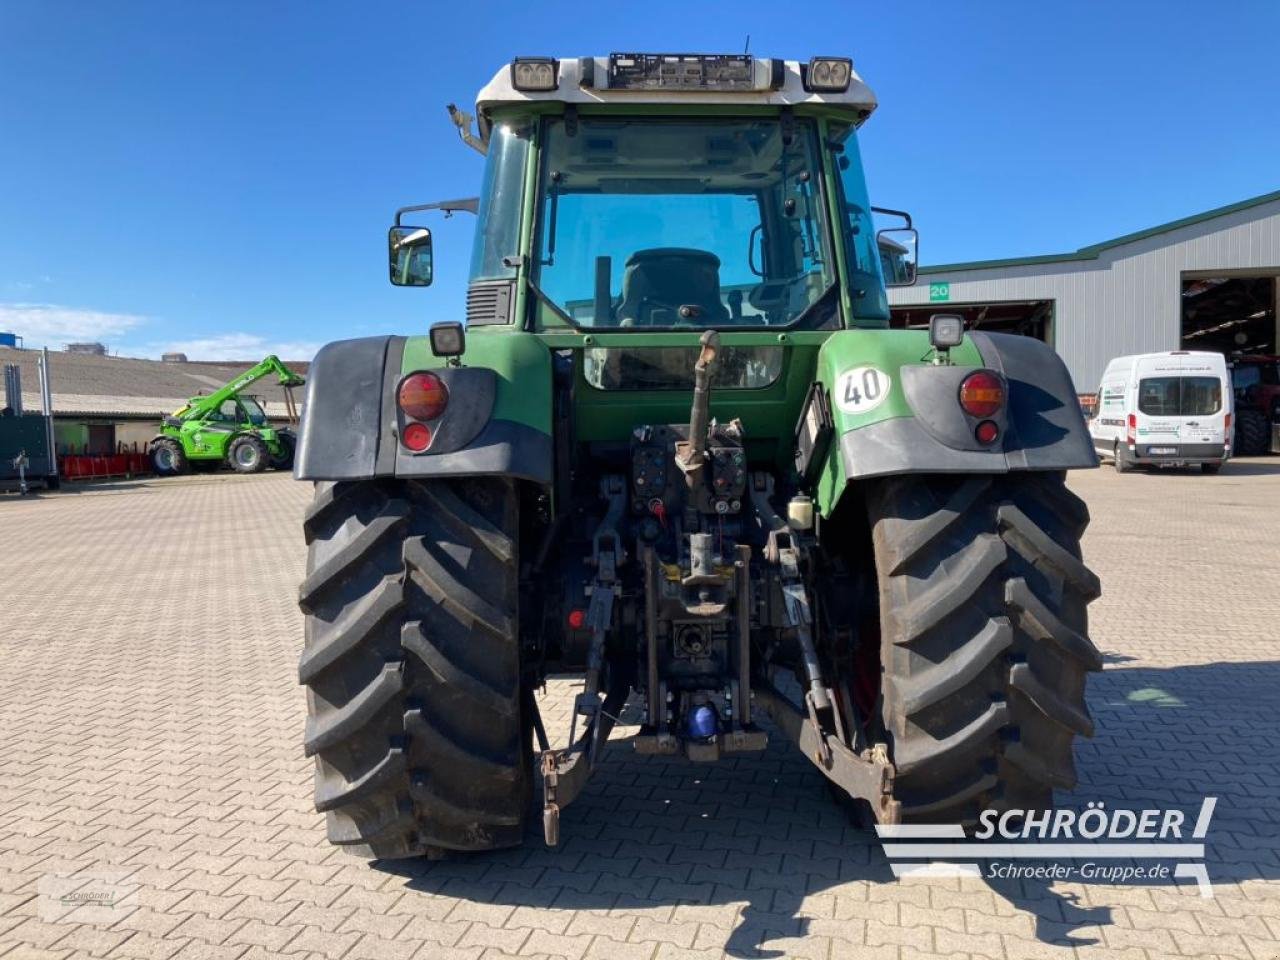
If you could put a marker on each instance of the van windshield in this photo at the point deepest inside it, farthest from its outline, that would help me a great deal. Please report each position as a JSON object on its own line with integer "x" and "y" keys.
{"x": 1180, "y": 396}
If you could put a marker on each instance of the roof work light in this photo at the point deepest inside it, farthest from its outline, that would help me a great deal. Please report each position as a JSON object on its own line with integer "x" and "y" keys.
{"x": 946, "y": 330}
{"x": 448, "y": 340}
{"x": 828, "y": 74}
{"x": 534, "y": 73}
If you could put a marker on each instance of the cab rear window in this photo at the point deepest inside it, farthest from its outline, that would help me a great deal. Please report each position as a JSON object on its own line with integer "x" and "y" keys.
{"x": 1179, "y": 396}
{"x": 671, "y": 368}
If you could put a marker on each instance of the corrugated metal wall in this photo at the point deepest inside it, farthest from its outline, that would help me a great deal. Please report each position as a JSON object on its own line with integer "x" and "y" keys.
{"x": 1128, "y": 300}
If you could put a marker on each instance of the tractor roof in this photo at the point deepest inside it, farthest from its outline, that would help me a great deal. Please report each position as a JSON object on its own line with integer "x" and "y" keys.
{"x": 728, "y": 80}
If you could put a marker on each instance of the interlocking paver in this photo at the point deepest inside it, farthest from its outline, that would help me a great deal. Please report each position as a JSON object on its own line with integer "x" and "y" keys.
{"x": 483, "y": 935}
{"x": 272, "y": 936}
{"x": 447, "y": 932}
{"x": 371, "y": 947}
{"x": 573, "y": 946}
{"x": 172, "y": 756}
{"x": 602, "y": 948}
{"x": 144, "y": 946}
{"x": 37, "y": 933}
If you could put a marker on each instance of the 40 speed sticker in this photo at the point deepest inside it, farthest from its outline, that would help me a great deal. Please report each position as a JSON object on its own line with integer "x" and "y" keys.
{"x": 861, "y": 389}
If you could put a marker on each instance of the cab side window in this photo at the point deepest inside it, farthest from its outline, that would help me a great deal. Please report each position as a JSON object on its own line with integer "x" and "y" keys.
{"x": 227, "y": 412}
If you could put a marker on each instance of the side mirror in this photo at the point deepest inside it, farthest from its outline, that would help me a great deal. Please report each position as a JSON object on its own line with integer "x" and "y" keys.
{"x": 899, "y": 248}
{"x": 409, "y": 256}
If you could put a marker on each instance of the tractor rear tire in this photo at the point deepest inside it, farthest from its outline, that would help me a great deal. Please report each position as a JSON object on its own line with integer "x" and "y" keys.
{"x": 288, "y": 443}
{"x": 412, "y": 666}
{"x": 1253, "y": 432}
{"x": 167, "y": 458}
{"x": 983, "y": 639}
{"x": 247, "y": 454}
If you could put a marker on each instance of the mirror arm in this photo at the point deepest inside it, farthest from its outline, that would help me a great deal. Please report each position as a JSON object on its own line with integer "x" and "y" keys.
{"x": 462, "y": 120}
{"x": 895, "y": 213}
{"x": 449, "y": 207}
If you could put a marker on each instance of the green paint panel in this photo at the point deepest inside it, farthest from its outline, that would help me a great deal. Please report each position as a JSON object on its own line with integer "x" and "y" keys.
{"x": 843, "y": 365}
{"x": 885, "y": 351}
{"x": 769, "y": 414}
{"x": 521, "y": 361}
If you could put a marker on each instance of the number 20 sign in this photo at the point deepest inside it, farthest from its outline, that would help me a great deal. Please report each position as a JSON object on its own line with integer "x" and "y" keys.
{"x": 861, "y": 389}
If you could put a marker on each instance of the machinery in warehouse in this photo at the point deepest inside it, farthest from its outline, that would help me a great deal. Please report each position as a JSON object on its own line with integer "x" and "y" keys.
{"x": 229, "y": 426}
{"x": 677, "y": 451}
{"x": 1255, "y": 382}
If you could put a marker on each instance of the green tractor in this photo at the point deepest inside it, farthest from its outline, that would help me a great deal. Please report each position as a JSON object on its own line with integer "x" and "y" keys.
{"x": 228, "y": 426}
{"x": 677, "y": 450}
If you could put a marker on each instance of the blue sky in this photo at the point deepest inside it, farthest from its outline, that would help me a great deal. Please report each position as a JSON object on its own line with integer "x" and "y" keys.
{"x": 219, "y": 177}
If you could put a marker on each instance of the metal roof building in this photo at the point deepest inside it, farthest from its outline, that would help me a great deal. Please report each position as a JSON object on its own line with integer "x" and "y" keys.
{"x": 1206, "y": 282}
{"x": 103, "y": 403}
{"x": 96, "y": 384}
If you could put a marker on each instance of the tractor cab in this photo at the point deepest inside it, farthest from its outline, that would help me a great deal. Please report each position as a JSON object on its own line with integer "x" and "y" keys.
{"x": 653, "y": 192}
{"x": 243, "y": 410}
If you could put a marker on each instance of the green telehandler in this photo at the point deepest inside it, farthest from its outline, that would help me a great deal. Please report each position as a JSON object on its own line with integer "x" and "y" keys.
{"x": 228, "y": 426}
{"x": 677, "y": 449}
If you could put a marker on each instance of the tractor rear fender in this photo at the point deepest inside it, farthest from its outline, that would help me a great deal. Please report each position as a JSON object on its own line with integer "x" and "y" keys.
{"x": 914, "y": 422}
{"x": 497, "y": 421}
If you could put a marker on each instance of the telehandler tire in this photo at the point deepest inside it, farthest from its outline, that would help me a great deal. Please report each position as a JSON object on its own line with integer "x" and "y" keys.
{"x": 247, "y": 454}
{"x": 288, "y": 444}
{"x": 412, "y": 666}
{"x": 1253, "y": 432}
{"x": 983, "y": 639}
{"x": 167, "y": 458}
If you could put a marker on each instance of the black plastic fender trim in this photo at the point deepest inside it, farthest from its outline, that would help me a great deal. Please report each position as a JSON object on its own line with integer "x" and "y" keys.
{"x": 350, "y": 424}
{"x": 1043, "y": 428}
{"x": 502, "y": 449}
{"x": 1046, "y": 428}
{"x": 342, "y": 411}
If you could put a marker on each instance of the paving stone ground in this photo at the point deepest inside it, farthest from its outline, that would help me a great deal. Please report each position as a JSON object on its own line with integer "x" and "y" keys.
{"x": 155, "y": 803}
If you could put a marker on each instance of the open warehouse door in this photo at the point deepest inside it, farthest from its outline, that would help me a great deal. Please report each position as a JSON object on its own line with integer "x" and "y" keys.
{"x": 1236, "y": 315}
{"x": 1230, "y": 314}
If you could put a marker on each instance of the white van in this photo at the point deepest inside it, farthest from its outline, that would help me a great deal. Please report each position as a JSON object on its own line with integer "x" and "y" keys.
{"x": 1164, "y": 409}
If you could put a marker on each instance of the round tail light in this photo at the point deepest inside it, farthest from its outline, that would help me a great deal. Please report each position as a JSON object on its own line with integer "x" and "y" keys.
{"x": 981, "y": 394}
{"x": 987, "y": 432}
{"x": 416, "y": 436}
{"x": 423, "y": 396}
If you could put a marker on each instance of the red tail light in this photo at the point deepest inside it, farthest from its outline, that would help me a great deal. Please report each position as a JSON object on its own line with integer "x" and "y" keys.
{"x": 1226, "y": 431}
{"x": 1132, "y": 432}
{"x": 423, "y": 396}
{"x": 981, "y": 394}
{"x": 416, "y": 436}
{"x": 987, "y": 432}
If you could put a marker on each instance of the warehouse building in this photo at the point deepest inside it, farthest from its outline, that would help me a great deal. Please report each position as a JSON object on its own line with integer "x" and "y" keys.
{"x": 105, "y": 405}
{"x": 1206, "y": 282}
